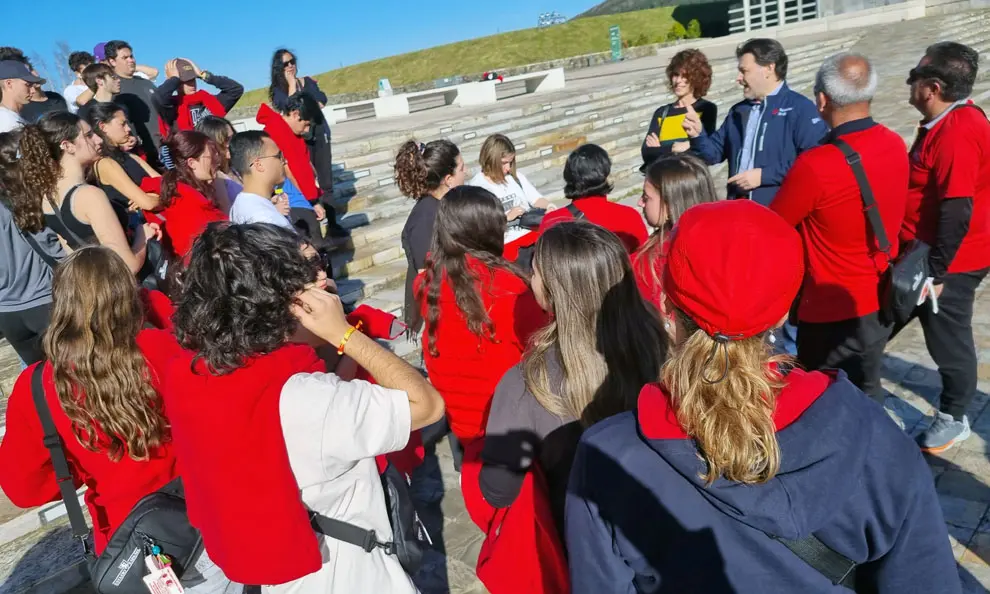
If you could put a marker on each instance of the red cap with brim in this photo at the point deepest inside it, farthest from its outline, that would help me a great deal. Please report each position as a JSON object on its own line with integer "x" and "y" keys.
{"x": 733, "y": 267}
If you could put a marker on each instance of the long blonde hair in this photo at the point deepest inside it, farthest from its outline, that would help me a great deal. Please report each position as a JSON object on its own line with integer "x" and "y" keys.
{"x": 493, "y": 150}
{"x": 730, "y": 418}
{"x": 609, "y": 341}
{"x": 101, "y": 377}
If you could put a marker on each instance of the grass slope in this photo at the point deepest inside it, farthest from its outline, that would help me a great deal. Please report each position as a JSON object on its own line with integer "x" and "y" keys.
{"x": 620, "y": 6}
{"x": 574, "y": 38}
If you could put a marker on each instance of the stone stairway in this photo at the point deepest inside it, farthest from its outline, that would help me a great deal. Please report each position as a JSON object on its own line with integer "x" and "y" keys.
{"x": 370, "y": 266}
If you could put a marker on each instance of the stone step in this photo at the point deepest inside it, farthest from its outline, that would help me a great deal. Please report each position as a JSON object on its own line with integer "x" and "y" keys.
{"x": 567, "y": 135}
{"x": 377, "y": 145}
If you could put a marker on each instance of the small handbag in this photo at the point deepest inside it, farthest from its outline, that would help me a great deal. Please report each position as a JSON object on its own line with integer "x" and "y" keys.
{"x": 409, "y": 536}
{"x": 157, "y": 524}
{"x": 532, "y": 218}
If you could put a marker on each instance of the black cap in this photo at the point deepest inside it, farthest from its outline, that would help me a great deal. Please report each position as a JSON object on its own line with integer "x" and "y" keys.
{"x": 15, "y": 69}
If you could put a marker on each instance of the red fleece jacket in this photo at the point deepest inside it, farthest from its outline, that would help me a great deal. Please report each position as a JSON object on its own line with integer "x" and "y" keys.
{"x": 293, "y": 148}
{"x": 467, "y": 368}
{"x": 26, "y": 473}
{"x": 186, "y": 217}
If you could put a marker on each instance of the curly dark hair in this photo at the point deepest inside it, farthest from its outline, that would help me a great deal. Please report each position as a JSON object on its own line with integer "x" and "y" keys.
{"x": 237, "y": 289}
{"x": 421, "y": 168}
{"x": 278, "y": 74}
{"x": 693, "y": 65}
{"x": 586, "y": 172}
{"x": 470, "y": 222}
{"x": 80, "y": 60}
{"x": 27, "y": 180}
{"x": 182, "y": 146}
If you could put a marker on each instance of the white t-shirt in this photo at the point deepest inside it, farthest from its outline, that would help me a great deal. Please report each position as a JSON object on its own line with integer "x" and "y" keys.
{"x": 71, "y": 93}
{"x": 333, "y": 430}
{"x": 9, "y": 120}
{"x": 252, "y": 208}
{"x": 511, "y": 193}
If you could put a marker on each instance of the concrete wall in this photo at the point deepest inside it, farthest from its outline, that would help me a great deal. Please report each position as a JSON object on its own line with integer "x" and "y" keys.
{"x": 833, "y": 7}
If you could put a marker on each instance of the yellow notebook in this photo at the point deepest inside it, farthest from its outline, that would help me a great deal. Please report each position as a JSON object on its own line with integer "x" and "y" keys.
{"x": 672, "y": 128}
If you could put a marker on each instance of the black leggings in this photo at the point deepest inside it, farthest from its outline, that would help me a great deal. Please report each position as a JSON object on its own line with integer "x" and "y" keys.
{"x": 24, "y": 329}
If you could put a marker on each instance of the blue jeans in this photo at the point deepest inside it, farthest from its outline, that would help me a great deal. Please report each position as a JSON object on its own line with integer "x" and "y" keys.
{"x": 786, "y": 343}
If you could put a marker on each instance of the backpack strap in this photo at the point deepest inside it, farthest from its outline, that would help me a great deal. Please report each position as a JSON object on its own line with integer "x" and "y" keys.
{"x": 836, "y": 567}
{"x": 349, "y": 533}
{"x": 63, "y": 476}
{"x": 866, "y": 193}
{"x": 575, "y": 211}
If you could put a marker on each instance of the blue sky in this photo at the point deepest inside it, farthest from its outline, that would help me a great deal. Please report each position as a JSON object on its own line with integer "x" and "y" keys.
{"x": 237, "y": 39}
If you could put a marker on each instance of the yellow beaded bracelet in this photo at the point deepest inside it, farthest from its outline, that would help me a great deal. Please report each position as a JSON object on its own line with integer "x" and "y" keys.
{"x": 347, "y": 336}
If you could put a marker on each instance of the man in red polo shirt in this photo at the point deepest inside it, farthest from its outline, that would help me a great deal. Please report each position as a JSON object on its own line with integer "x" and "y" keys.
{"x": 949, "y": 209}
{"x": 839, "y": 320}
{"x": 586, "y": 183}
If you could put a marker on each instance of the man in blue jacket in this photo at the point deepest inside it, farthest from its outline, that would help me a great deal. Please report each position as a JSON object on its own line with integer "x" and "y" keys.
{"x": 764, "y": 133}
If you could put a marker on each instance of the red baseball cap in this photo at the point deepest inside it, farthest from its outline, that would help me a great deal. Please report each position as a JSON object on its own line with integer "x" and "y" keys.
{"x": 734, "y": 267}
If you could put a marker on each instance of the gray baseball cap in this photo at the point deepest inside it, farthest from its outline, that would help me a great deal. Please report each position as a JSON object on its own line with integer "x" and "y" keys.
{"x": 15, "y": 69}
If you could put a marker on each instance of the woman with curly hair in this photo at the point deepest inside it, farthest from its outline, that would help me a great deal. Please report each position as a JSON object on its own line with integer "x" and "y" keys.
{"x": 55, "y": 154}
{"x": 253, "y": 407}
{"x": 479, "y": 309}
{"x": 101, "y": 384}
{"x": 689, "y": 75}
{"x": 425, "y": 173}
{"x": 191, "y": 195}
{"x": 26, "y": 261}
{"x": 118, "y": 171}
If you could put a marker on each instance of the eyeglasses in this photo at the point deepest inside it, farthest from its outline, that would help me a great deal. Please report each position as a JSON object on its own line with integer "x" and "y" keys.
{"x": 277, "y": 155}
{"x": 288, "y": 63}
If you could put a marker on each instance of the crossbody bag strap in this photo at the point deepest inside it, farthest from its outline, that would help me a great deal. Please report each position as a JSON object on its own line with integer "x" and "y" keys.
{"x": 836, "y": 567}
{"x": 79, "y": 243}
{"x": 575, "y": 211}
{"x": 349, "y": 533}
{"x": 865, "y": 192}
{"x": 63, "y": 476}
{"x": 31, "y": 241}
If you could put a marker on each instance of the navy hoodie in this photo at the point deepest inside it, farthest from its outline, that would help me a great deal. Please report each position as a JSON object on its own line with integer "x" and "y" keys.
{"x": 789, "y": 125}
{"x": 639, "y": 518}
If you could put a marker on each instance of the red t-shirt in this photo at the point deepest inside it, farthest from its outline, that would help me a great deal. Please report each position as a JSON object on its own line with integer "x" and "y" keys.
{"x": 26, "y": 473}
{"x": 467, "y": 368}
{"x": 952, "y": 160}
{"x": 624, "y": 221}
{"x": 820, "y": 196}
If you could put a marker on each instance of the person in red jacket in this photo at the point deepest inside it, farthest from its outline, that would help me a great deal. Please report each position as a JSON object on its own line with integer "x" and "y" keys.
{"x": 191, "y": 195}
{"x": 101, "y": 385}
{"x": 674, "y": 183}
{"x": 949, "y": 209}
{"x": 479, "y": 311}
{"x": 253, "y": 408}
{"x": 840, "y": 323}
{"x": 181, "y": 106}
{"x": 586, "y": 183}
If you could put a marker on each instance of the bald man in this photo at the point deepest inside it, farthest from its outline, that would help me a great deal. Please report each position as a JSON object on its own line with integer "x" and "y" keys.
{"x": 839, "y": 320}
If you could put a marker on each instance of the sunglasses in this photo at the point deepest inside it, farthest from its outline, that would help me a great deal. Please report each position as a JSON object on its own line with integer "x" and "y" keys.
{"x": 288, "y": 63}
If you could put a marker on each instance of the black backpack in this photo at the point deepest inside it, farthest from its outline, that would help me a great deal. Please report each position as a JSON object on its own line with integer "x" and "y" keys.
{"x": 157, "y": 520}
{"x": 525, "y": 257}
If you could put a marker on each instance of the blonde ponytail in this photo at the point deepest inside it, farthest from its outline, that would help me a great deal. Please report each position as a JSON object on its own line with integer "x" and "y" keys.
{"x": 730, "y": 418}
